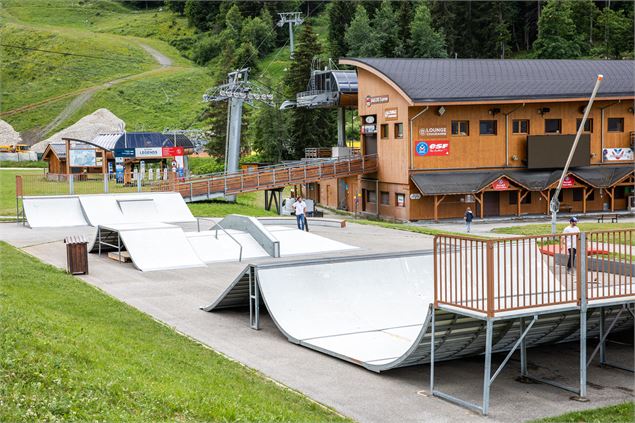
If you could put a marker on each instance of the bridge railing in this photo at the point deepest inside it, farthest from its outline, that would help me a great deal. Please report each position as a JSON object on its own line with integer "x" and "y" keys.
{"x": 504, "y": 275}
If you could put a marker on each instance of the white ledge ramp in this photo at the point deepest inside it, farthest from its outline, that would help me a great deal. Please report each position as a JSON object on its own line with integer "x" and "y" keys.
{"x": 375, "y": 311}
{"x": 54, "y": 212}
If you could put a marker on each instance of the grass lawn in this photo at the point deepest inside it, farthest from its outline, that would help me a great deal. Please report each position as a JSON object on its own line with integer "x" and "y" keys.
{"x": 7, "y": 188}
{"x": 409, "y": 228}
{"x": 613, "y": 414}
{"x": 27, "y": 164}
{"x": 250, "y": 204}
{"x": 70, "y": 352}
{"x": 545, "y": 229}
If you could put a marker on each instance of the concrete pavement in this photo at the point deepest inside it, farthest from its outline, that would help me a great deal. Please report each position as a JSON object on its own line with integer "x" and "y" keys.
{"x": 173, "y": 297}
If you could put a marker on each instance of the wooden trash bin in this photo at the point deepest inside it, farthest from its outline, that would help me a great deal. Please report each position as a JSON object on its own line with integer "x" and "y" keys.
{"x": 76, "y": 255}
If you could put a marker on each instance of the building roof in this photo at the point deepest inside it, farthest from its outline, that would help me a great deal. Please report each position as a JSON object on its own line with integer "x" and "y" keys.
{"x": 140, "y": 140}
{"x": 465, "y": 80}
{"x": 472, "y": 182}
{"x": 56, "y": 148}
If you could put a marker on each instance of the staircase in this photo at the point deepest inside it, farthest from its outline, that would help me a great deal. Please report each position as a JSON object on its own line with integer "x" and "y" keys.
{"x": 206, "y": 187}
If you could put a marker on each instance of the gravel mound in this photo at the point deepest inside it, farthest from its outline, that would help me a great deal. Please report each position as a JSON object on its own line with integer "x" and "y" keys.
{"x": 8, "y": 135}
{"x": 99, "y": 122}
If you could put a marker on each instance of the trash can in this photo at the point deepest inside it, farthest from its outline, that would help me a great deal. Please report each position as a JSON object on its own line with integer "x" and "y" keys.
{"x": 76, "y": 255}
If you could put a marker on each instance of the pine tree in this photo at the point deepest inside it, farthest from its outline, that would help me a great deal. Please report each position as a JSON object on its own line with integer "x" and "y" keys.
{"x": 584, "y": 14}
{"x": 557, "y": 36}
{"x": 425, "y": 41}
{"x": 618, "y": 31}
{"x": 386, "y": 30}
{"x": 361, "y": 39}
{"x": 340, "y": 13}
{"x": 307, "y": 127}
{"x": 405, "y": 14}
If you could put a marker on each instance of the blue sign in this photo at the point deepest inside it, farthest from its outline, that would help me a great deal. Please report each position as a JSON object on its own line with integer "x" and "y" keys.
{"x": 124, "y": 152}
{"x": 422, "y": 148}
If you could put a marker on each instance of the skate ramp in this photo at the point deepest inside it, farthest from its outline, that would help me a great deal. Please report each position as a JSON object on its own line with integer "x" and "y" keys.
{"x": 212, "y": 246}
{"x": 295, "y": 242}
{"x": 152, "y": 246}
{"x": 375, "y": 311}
{"x": 165, "y": 207}
{"x": 53, "y": 212}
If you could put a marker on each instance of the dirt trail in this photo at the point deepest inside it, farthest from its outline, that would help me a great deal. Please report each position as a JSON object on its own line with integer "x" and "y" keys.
{"x": 85, "y": 95}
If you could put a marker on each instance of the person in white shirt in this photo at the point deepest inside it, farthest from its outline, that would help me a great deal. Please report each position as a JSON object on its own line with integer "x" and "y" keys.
{"x": 300, "y": 209}
{"x": 571, "y": 241}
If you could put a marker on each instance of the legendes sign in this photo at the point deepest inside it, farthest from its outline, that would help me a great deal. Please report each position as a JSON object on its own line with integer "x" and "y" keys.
{"x": 433, "y": 132}
{"x": 432, "y": 148}
{"x": 376, "y": 100}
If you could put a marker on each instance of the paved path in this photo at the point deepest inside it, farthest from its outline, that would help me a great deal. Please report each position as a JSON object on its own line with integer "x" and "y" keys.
{"x": 173, "y": 297}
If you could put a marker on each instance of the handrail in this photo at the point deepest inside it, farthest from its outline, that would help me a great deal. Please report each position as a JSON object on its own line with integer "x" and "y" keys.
{"x": 216, "y": 227}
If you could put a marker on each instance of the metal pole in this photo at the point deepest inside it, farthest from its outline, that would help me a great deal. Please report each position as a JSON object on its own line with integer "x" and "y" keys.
{"x": 602, "y": 340}
{"x": 583, "y": 311}
{"x": 488, "y": 365}
{"x": 432, "y": 353}
{"x": 71, "y": 184}
{"x": 523, "y": 350}
{"x": 555, "y": 203}
{"x": 105, "y": 183}
{"x": 291, "y": 40}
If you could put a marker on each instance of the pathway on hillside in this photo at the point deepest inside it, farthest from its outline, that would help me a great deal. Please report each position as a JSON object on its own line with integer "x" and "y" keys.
{"x": 85, "y": 95}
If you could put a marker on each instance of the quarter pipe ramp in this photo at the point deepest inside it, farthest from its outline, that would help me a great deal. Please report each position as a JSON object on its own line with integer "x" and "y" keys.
{"x": 375, "y": 311}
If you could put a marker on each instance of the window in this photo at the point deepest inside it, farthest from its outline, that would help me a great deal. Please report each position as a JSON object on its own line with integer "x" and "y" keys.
{"x": 399, "y": 130}
{"x": 578, "y": 193}
{"x": 384, "y": 131}
{"x": 553, "y": 126}
{"x": 616, "y": 125}
{"x": 513, "y": 198}
{"x": 385, "y": 198}
{"x": 400, "y": 200}
{"x": 487, "y": 127}
{"x": 588, "y": 125}
{"x": 460, "y": 127}
{"x": 520, "y": 126}
{"x": 620, "y": 192}
{"x": 371, "y": 196}
{"x": 591, "y": 195}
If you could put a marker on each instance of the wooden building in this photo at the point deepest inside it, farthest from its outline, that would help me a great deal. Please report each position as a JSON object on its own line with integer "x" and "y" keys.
{"x": 489, "y": 134}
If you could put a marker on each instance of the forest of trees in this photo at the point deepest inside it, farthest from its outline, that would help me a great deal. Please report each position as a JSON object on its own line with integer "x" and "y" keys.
{"x": 233, "y": 34}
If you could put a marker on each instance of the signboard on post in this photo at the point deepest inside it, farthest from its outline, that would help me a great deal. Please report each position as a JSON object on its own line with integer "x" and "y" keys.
{"x": 568, "y": 182}
{"x": 432, "y": 148}
{"x": 82, "y": 157}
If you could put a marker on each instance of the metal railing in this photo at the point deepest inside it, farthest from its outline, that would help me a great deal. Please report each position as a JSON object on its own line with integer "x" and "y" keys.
{"x": 503, "y": 275}
{"x": 215, "y": 228}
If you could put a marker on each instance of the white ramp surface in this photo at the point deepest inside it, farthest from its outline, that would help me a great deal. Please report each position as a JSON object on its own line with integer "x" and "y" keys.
{"x": 165, "y": 207}
{"x": 157, "y": 246}
{"x": 211, "y": 249}
{"x": 294, "y": 242}
{"x": 361, "y": 311}
{"x": 53, "y": 212}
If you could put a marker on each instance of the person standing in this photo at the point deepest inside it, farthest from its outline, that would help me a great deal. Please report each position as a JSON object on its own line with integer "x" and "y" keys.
{"x": 468, "y": 217}
{"x": 300, "y": 209}
{"x": 571, "y": 241}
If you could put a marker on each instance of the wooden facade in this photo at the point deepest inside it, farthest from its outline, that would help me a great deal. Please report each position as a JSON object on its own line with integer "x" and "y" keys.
{"x": 401, "y": 124}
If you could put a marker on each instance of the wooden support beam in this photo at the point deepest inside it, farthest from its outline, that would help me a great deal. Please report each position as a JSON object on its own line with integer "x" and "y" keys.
{"x": 482, "y": 205}
{"x": 518, "y": 199}
{"x": 437, "y": 201}
{"x": 68, "y": 156}
{"x": 612, "y": 198}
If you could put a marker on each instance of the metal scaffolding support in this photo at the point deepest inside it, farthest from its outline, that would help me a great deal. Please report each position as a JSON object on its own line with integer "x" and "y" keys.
{"x": 293, "y": 19}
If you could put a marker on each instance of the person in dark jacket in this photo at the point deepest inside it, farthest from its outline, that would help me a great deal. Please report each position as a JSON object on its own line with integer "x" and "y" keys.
{"x": 469, "y": 216}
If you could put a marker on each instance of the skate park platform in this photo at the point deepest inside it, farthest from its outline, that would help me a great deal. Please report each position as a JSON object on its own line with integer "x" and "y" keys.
{"x": 173, "y": 297}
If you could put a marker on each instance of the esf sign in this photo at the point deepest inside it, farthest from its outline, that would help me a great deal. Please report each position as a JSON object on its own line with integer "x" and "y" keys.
{"x": 435, "y": 148}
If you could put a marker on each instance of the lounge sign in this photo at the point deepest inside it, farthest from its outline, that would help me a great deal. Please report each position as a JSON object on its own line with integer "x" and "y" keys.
{"x": 391, "y": 114}
{"x": 432, "y": 148}
{"x": 371, "y": 100}
{"x": 501, "y": 184}
{"x": 433, "y": 132}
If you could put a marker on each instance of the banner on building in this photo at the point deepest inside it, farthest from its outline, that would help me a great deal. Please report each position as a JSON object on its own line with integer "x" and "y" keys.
{"x": 617, "y": 154}
{"x": 432, "y": 148}
{"x": 391, "y": 114}
{"x": 124, "y": 152}
{"x": 172, "y": 151}
{"x": 501, "y": 184}
{"x": 433, "y": 132}
{"x": 148, "y": 152}
{"x": 82, "y": 158}
{"x": 370, "y": 100}
{"x": 568, "y": 182}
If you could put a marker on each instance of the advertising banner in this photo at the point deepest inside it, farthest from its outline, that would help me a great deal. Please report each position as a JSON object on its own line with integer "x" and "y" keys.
{"x": 391, "y": 114}
{"x": 432, "y": 148}
{"x": 501, "y": 184}
{"x": 82, "y": 158}
{"x": 124, "y": 152}
{"x": 617, "y": 154}
{"x": 433, "y": 132}
{"x": 149, "y": 152}
{"x": 172, "y": 151}
{"x": 378, "y": 99}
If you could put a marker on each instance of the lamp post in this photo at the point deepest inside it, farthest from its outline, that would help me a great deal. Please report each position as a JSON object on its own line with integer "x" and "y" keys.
{"x": 554, "y": 206}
